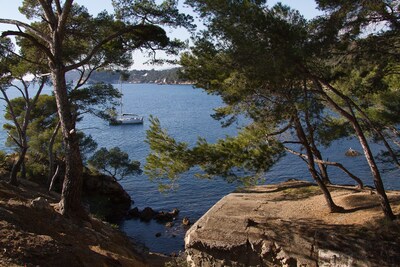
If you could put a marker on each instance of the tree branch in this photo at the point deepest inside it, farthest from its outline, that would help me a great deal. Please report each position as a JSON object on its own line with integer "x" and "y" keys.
{"x": 58, "y": 6}
{"x": 32, "y": 39}
{"x": 18, "y": 23}
{"x": 282, "y": 130}
{"x": 111, "y": 37}
{"x": 14, "y": 117}
{"x": 49, "y": 14}
{"x": 336, "y": 164}
{"x": 64, "y": 16}
{"x": 367, "y": 119}
{"x": 21, "y": 57}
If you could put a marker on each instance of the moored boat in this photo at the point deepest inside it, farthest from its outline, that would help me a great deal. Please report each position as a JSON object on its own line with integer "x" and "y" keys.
{"x": 127, "y": 118}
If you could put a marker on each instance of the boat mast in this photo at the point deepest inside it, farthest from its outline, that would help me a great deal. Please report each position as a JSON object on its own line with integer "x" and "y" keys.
{"x": 120, "y": 90}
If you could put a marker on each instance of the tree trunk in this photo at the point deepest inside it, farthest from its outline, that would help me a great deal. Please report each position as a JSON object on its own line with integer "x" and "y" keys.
{"x": 322, "y": 167}
{"x": 311, "y": 140}
{"x": 53, "y": 179}
{"x": 17, "y": 166}
{"x": 23, "y": 169}
{"x": 70, "y": 203}
{"x": 51, "y": 154}
{"x": 384, "y": 201}
{"x": 311, "y": 166}
{"x": 330, "y": 163}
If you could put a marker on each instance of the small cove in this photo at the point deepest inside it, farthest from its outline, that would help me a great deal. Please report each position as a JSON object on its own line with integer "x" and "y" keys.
{"x": 185, "y": 113}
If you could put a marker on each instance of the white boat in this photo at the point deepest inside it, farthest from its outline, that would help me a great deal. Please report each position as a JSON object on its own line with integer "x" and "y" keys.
{"x": 127, "y": 118}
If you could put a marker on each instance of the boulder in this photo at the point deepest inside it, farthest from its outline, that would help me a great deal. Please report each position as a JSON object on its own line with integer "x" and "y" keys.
{"x": 147, "y": 214}
{"x": 106, "y": 197}
{"x": 186, "y": 221}
{"x": 133, "y": 213}
{"x": 169, "y": 224}
{"x": 352, "y": 153}
{"x": 166, "y": 216}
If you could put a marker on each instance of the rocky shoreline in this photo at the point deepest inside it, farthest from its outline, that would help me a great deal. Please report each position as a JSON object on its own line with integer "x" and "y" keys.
{"x": 276, "y": 225}
{"x": 33, "y": 233}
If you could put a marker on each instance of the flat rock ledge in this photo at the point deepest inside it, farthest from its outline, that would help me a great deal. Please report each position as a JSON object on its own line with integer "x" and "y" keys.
{"x": 290, "y": 225}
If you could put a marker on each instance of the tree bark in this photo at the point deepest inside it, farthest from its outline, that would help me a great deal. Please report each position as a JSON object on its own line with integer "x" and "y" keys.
{"x": 51, "y": 154}
{"x": 311, "y": 166}
{"x": 336, "y": 164}
{"x": 384, "y": 201}
{"x": 70, "y": 203}
{"x": 322, "y": 167}
{"x": 17, "y": 166}
{"x": 311, "y": 139}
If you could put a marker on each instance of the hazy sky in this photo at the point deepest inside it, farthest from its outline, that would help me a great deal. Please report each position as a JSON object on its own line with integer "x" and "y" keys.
{"x": 9, "y": 9}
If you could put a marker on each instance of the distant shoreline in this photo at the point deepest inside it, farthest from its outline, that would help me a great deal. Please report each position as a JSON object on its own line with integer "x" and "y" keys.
{"x": 169, "y": 76}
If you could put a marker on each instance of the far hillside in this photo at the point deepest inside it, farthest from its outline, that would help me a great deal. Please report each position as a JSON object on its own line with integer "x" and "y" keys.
{"x": 168, "y": 76}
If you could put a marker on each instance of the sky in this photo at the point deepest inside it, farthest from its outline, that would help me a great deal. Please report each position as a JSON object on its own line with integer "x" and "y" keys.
{"x": 9, "y": 10}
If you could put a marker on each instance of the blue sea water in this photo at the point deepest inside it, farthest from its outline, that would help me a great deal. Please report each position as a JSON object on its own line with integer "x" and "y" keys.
{"x": 185, "y": 113}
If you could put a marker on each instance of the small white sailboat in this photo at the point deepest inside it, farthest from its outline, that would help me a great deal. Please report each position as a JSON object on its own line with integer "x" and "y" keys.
{"x": 125, "y": 118}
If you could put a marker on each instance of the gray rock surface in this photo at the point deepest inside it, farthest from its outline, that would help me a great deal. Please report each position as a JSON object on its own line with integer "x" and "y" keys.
{"x": 290, "y": 225}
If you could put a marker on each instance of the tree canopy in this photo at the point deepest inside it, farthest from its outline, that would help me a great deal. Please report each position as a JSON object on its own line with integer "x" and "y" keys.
{"x": 114, "y": 162}
{"x": 295, "y": 79}
{"x": 62, "y": 36}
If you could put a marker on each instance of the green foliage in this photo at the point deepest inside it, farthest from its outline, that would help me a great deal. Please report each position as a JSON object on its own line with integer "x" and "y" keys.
{"x": 3, "y": 160}
{"x": 7, "y": 60}
{"x": 150, "y": 13}
{"x": 44, "y": 119}
{"x": 251, "y": 151}
{"x": 36, "y": 170}
{"x": 114, "y": 162}
{"x": 165, "y": 13}
{"x": 333, "y": 129}
{"x": 354, "y": 17}
{"x": 168, "y": 158}
{"x": 95, "y": 99}
{"x": 87, "y": 144}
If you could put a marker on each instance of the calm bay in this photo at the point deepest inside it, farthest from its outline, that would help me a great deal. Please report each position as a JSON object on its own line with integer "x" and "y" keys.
{"x": 185, "y": 113}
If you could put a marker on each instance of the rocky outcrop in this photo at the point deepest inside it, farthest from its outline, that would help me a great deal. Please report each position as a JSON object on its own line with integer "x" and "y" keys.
{"x": 289, "y": 225}
{"x": 34, "y": 233}
{"x": 106, "y": 197}
{"x": 352, "y": 153}
{"x": 148, "y": 214}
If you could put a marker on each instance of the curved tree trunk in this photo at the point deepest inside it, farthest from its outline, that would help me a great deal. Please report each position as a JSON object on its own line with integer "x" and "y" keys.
{"x": 384, "y": 201}
{"x": 53, "y": 179}
{"x": 23, "y": 169}
{"x": 322, "y": 167}
{"x": 311, "y": 140}
{"x": 51, "y": 154}
{"x": 311, "y": 166}
{"x": 72, "y": 186}
{"x": 17, "y": 166}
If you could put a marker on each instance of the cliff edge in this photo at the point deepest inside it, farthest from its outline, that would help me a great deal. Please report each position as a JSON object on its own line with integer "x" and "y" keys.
{"x": 289, "y": 225}
{"x": 33, "y": 233}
